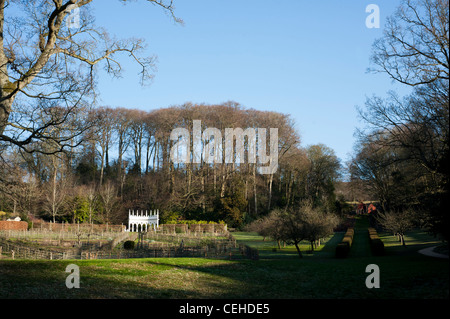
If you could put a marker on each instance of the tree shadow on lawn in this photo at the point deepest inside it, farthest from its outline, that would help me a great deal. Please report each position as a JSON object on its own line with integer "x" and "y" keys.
{"x": 277, "y": 275}
{"x": 268, "y": 249}
{"x": 185, "y": 278}
{"x": 323, "y": 278}
{"x": 21, "y": 279}
{"x": 415, "y": 240}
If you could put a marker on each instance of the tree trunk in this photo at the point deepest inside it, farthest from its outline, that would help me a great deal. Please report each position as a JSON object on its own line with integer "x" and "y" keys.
{"x": 5, "y": 110}
{"x": 402, "y": 239}
{"x": 254, "y": 190}
{"x": 102, "y": 164}
{"x": 270, "y": 192}
{"x": 298, "y": 250}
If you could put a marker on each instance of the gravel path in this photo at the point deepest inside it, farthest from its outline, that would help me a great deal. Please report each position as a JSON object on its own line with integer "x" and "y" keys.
{"x": 429, "y": 252}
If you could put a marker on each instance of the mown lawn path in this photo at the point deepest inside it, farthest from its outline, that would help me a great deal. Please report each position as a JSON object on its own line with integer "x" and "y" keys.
{"x": 361, "y": 246}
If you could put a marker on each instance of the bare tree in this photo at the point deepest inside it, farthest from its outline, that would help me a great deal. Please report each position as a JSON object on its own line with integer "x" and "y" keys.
{"x": 397, "y": 222}
{"x": 57, "y": 188}
{"x": 269, "y": 226}
{"x": 45, "y": 60}
{"x": 412, "y": 132}
{"x": 108, "y": 195}
{"x": 91, "y": 197}
{"x": 104, "y": 136}
{"x": 415, "y": 43}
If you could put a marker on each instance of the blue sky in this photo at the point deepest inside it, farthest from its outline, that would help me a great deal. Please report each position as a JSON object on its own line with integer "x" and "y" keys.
{"x": 304, "y": 58}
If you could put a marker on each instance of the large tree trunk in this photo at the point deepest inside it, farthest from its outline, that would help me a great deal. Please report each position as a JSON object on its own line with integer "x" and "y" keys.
{"x": 5, "y": 110}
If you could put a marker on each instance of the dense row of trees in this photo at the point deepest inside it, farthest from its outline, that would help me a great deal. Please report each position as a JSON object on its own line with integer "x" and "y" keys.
{"x": 123, "y": 161}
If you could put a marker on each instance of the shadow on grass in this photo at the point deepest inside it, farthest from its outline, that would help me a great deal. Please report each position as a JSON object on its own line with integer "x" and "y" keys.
{"x": 268, "y": 249}
{"x": 415, "y": 241}
{"x": 311, "y": 277}
{"x": 404, "y": 274}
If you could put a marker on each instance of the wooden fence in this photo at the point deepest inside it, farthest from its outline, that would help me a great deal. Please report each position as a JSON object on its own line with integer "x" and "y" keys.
{"x": 74, "y": 227}
{"x": 227, "y": 248}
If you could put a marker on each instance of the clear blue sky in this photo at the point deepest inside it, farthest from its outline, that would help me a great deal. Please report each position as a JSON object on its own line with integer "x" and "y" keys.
{"x": 304, "y": 58}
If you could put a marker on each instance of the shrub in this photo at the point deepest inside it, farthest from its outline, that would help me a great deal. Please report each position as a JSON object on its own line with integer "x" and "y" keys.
{"x": 348, "y": 237}
{"x": 347, "y": 240}
{"x": 128, "y": 245}
{"x": 343, "y": 248}
{"x": 376, "y": 244}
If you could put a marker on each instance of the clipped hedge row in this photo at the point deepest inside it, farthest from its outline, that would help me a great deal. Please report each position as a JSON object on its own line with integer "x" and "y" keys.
{"x": 376, "y": 244}
{"x": 343, "y": 248}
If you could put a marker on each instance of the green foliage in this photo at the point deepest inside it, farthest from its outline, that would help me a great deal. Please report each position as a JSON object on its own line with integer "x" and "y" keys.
{"x": 170, "y": 217}
{"x": 81, "y": 212}
{"x": 323, "y": 172}
{"x": 3, "y": 214}
{"x": 233, "y": 204}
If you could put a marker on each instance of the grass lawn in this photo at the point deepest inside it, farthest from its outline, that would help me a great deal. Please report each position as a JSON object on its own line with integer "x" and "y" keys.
{"x": 404, "y": 273}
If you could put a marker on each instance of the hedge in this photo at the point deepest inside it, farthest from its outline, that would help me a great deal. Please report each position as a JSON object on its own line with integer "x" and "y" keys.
{"x": 129, "y": 245}
{"x": 376, "y": 244}
{"x": 343, "y": 248}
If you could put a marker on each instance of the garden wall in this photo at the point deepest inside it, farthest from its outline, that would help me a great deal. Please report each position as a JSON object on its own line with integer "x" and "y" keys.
{"x": 13, "y": 225}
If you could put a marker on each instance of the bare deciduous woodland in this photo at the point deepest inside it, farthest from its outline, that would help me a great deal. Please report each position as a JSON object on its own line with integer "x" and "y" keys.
{"x": 63, "y": 157}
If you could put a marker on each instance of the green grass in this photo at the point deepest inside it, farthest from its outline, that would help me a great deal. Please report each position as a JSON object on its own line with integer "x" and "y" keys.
{"x": 401, "y": 277}
{"x": 281, "y": 274}
{"x": 269, "y": 249}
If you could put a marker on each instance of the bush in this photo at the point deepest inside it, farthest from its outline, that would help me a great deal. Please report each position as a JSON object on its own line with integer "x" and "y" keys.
{"x": 348, "y": 237}
{"x": 343, "y": 248}
{"x": 128, "y": 245}
{"x": 347, "y": 240}
{"x": 376, "y": 244}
